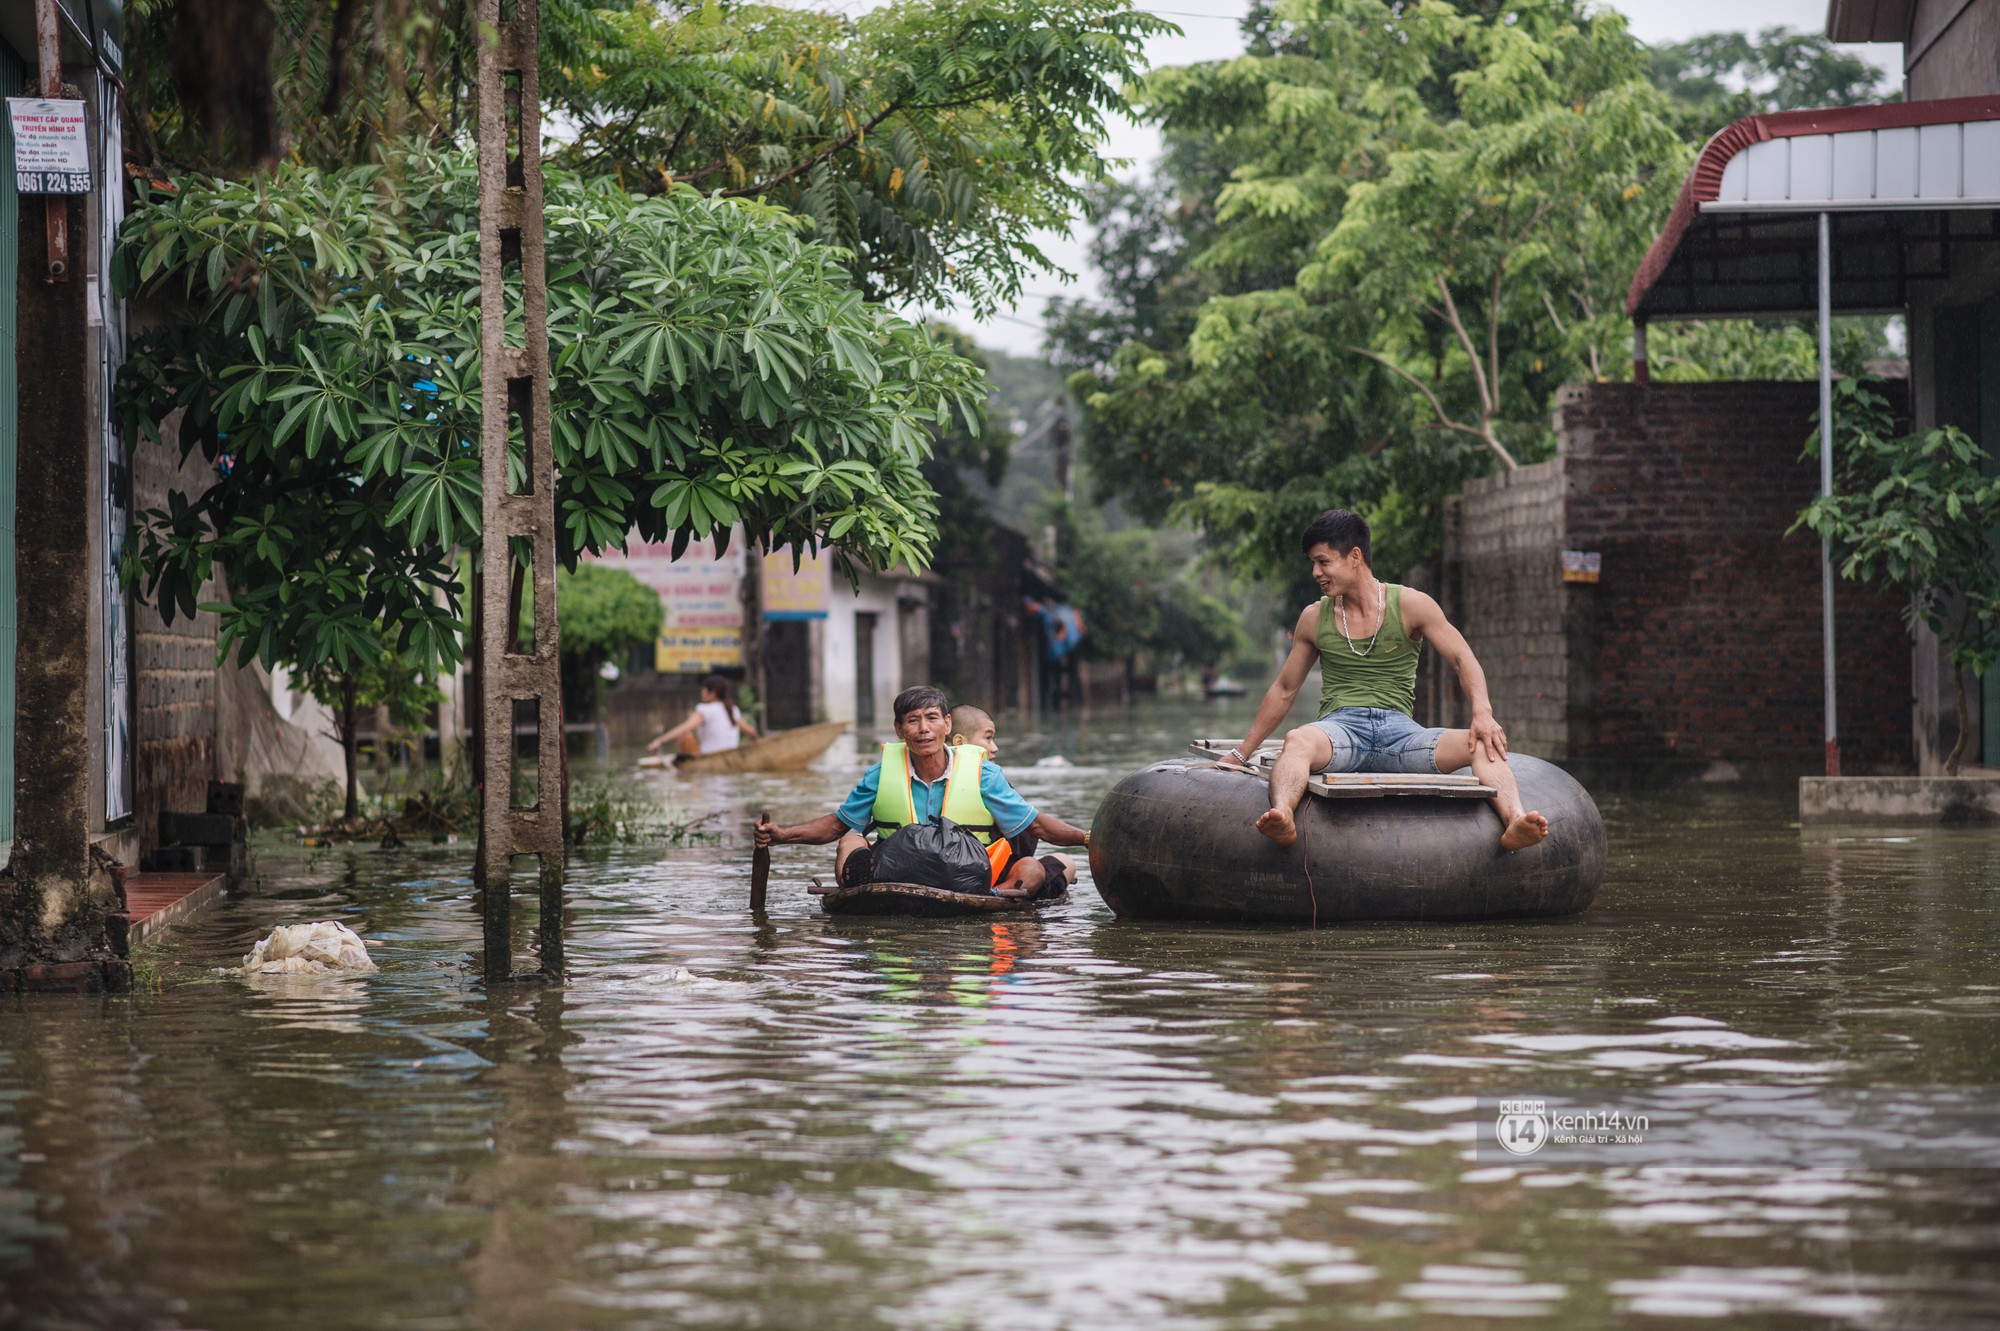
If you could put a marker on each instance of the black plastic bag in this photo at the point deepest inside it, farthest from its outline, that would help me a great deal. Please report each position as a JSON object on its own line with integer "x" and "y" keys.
{"x": 935, "y": 854}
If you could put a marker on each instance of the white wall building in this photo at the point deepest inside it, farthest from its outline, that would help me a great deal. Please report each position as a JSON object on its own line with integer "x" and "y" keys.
{"x": 873, "y": 644}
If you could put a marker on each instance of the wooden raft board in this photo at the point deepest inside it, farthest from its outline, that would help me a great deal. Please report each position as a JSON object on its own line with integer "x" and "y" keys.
{"x": 1354, "y": 785}
{"x": 914, "y": 899}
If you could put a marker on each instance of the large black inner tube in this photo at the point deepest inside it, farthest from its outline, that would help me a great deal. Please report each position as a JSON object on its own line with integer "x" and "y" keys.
{"x": 1177, "y": 842}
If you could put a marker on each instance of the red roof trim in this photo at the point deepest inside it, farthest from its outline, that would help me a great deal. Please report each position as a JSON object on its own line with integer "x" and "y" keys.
{"x": 1704, "y": 182}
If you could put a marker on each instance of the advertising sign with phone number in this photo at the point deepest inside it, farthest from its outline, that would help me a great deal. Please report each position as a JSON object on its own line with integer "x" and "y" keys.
{"x": 51, "y": 145}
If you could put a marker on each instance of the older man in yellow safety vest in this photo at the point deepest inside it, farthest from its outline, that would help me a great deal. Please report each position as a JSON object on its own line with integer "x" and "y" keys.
{"x": 920, "y": 777}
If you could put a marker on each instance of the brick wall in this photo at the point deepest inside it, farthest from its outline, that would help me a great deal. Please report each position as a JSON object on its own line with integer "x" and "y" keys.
{"x": 1708, "y": 618}
{"x": 174, "y": 677}
{"x": 1504, "y": 535}
{"x": 1702, "y": 641}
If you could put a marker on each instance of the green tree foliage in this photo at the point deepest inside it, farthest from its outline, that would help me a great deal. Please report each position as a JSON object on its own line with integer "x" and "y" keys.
{"x": 1720, "y": 77}
{"x": 605, "y": 612}
{"x": 930, "y": 139}
{"x": 385, "y": 676}
{"x": 1384, "y": 240}
{"x": 1702, "y": 351}
{"x": 1920, "y": 513}
{"x": 709, "y": 367}
{"x": 1197, "y": 629}
{"x": 1137, "y": 593}
{"x": 216, "y": 85}
{"x": 1490, "y": 251}
{"x": 1381, "y": 240}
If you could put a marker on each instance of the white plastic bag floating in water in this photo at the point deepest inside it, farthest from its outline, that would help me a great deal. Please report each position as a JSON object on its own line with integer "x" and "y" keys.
{"x": 323, "y": 947}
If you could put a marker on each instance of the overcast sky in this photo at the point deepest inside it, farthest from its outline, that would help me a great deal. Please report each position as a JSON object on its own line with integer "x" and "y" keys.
{"x": 1209, "y": 33}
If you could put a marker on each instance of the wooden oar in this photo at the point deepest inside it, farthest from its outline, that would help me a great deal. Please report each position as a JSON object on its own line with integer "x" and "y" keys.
{"x": 760, "y": 871}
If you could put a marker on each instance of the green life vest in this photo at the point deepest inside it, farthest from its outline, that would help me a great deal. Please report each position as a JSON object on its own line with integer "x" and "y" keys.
{"x": 1382, "y": 675}
{"x": 963, "y": 804}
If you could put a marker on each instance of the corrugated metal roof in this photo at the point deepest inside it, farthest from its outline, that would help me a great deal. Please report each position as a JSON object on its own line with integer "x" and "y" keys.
{"x": 1927, "y": 159}
{"x": 1956, "y": 164}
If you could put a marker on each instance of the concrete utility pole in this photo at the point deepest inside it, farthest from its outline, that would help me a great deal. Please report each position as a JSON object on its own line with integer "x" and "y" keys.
{"x": 57, "y": 895}
{"x": 518, "y": 530}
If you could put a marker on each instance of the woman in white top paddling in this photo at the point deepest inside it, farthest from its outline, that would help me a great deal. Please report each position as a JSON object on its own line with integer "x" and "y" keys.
{"x": 713, "y": 726}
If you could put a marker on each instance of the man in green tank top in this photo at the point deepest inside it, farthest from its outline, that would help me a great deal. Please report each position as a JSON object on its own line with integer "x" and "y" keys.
{"x": 1366, "y": 637}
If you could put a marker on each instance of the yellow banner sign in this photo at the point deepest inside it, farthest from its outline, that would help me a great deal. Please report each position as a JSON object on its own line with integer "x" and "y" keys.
{"x": 697, "y": 650}
{"x": 789, "y": 594}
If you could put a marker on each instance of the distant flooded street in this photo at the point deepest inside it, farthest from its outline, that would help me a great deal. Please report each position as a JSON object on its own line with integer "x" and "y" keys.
{"x": 1060, "y": 1122}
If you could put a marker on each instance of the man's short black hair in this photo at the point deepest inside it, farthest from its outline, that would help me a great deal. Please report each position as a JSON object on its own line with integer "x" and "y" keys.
{"x": 1341, "y": 531}
{"x": 918, "y": 698}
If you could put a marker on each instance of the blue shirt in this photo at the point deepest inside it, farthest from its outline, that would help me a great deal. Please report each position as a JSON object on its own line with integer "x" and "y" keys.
{"x": 1010, "y": 812}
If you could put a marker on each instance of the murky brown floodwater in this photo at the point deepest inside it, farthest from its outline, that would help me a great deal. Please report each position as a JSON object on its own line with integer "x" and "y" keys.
{"x": 1063, "y": 1122}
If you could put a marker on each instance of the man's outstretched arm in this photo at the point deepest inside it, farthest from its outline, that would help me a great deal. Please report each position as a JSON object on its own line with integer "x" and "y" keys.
{"x": 819, "y": 832}
{"x": 1424, "y": 618}
{"x": 1056, "y": 832}
{"x": 1284, "y": 690}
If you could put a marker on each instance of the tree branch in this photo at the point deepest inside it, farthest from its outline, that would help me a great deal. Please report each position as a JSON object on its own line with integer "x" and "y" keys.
{"x": 831, "y": 150}
{"x": 1444, "y": 421}
{"x": 1554, "y": 318}
{"x": 1471, "y": 352}
{"x": 1493, "y": 333}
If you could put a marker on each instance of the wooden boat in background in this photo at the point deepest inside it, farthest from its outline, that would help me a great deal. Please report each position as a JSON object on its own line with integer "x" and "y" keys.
{"x": 780, "y": 752}
{"x": 915, "y": 899}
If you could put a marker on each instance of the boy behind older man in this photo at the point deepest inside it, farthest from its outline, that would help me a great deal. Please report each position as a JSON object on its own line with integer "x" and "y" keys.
{"x": 920, "y": 778}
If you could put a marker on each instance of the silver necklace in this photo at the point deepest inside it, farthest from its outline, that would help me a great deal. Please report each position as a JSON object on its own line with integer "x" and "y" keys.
{"x": 1382, "y": 603}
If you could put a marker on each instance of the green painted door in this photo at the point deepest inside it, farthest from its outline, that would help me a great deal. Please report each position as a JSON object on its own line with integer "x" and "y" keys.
{"x": 12, "y": 75}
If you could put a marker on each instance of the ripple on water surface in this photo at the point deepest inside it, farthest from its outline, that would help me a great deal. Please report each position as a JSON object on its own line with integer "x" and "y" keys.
{"x": 1053, "y": 1122}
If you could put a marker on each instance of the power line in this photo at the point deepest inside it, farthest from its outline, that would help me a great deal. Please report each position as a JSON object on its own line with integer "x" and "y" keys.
{"x": 1187, "y": 13}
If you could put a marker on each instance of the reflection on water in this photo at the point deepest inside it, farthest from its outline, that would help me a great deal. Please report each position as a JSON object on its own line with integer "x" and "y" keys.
{"x": 1039, "y": 1123}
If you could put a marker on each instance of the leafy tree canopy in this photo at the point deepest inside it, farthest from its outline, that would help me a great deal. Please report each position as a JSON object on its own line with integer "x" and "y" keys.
{"x": 604, "y": 612}
{"x": 929, "y": 139}
{"x": 1721, "y": 77}
{"x": 1388, "y": 239}
{"x": 1379, "y": 242}
{"x": 382, "y": 676}
{"x": 709, "y": 367}
{"x": 1137, "y": 591}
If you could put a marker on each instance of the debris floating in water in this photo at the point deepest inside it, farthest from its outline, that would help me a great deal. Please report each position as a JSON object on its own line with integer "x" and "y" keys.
{"x": 676, "y": 975}
{"x": 324, "y": 947}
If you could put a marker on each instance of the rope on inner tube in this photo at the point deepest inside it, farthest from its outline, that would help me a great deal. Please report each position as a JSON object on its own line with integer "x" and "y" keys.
{"x": 1305, "y": 859}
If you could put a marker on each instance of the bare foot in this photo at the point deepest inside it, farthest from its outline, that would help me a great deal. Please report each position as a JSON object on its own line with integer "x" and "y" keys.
{"x": 1012, "y": 888}
{"x": 1524, "y": 831}
{"x": 1278, "y": 825}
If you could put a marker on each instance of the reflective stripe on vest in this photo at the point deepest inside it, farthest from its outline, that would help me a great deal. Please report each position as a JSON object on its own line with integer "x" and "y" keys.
{"x": 963, "y": 803}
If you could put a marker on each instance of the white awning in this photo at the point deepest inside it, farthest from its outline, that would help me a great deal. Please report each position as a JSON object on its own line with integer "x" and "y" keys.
{"x": 1954, "y": 165}
{"x": 1910, "y": 189}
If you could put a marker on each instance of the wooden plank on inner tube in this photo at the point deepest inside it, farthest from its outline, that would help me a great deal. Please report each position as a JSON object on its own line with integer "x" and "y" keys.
{"x": 1360, "y": 785}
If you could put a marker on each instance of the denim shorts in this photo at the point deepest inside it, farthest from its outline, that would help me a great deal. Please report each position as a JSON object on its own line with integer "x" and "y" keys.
{"x": 1376, "y": 739}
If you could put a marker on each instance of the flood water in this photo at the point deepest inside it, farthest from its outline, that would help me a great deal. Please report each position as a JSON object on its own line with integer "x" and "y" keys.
{"x": 1061, "y": 1122}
